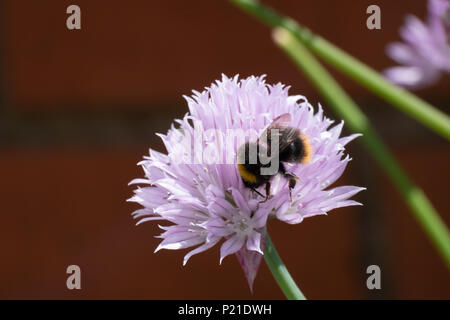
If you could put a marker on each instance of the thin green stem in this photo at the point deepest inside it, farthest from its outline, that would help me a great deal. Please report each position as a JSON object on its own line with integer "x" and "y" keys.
{"x": 280, "y": 273}
{"x": 347, "y": 109}
{"x": 415, "y": 107}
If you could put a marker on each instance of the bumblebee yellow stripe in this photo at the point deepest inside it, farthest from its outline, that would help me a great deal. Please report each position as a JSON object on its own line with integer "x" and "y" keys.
{"x": 247, "y": 176}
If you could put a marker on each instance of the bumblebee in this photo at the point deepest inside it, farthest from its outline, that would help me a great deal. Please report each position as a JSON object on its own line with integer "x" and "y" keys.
{"x": 256, "y": 159}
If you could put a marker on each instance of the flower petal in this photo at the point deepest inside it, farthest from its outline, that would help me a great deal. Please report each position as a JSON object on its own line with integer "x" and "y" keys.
{"x": 253, "y": 242}
{"x": 211, "y": 243}
{"x": 232, "y": 245}
{"x": 250, "y": 260}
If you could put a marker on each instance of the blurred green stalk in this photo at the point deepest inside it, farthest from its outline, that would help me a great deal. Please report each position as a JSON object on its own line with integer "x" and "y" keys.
{"x": 344, "y": 106}
{"x": 363, "y": 74}
{"x": 280, "y": 272}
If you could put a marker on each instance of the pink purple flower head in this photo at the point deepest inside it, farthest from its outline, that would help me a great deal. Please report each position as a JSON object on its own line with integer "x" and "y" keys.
{"x": 196, "y": 193}
{"x": 425, "y": 53}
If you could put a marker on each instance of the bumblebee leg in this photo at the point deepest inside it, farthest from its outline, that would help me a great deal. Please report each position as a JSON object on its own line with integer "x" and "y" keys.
{"x": 267, "y": 192}
{"x": 292, "y": 182}
{"x": 282, "y": 169}
{"x": 268, "y": 185}
{"x": 259, "y": 193}
{"x": 267, "y": 197}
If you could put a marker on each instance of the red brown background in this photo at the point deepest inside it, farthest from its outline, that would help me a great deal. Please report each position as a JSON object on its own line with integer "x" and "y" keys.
{"x": 79, "y": 109}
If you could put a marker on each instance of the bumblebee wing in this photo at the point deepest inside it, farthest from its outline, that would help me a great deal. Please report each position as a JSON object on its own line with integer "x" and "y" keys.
{"x": 281, "y": 121}
{"x": 286, "y": 136}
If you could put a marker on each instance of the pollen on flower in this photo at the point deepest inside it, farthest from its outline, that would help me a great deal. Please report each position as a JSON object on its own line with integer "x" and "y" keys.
{"x": 241, "y": 225}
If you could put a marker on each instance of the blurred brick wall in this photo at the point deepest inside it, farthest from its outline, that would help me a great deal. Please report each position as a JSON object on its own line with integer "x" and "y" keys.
{"x": 154, "y": 51}
{"x": 81, "y": 108}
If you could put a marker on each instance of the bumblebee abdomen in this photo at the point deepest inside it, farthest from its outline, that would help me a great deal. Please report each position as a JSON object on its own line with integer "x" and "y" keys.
{"x": 298, "y": 151}
{"x": 251, "y": 175}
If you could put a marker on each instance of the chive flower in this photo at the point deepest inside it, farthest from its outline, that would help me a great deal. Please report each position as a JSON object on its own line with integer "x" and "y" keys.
{"x": 195, "y": 189}
{"x": 425, "y": 53}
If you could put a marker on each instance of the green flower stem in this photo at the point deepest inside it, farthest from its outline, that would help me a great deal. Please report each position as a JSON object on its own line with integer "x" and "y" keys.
{"x": 344, "y": 106}
{"x": 280, "y": 273}
{"x": 417, "y": 108}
